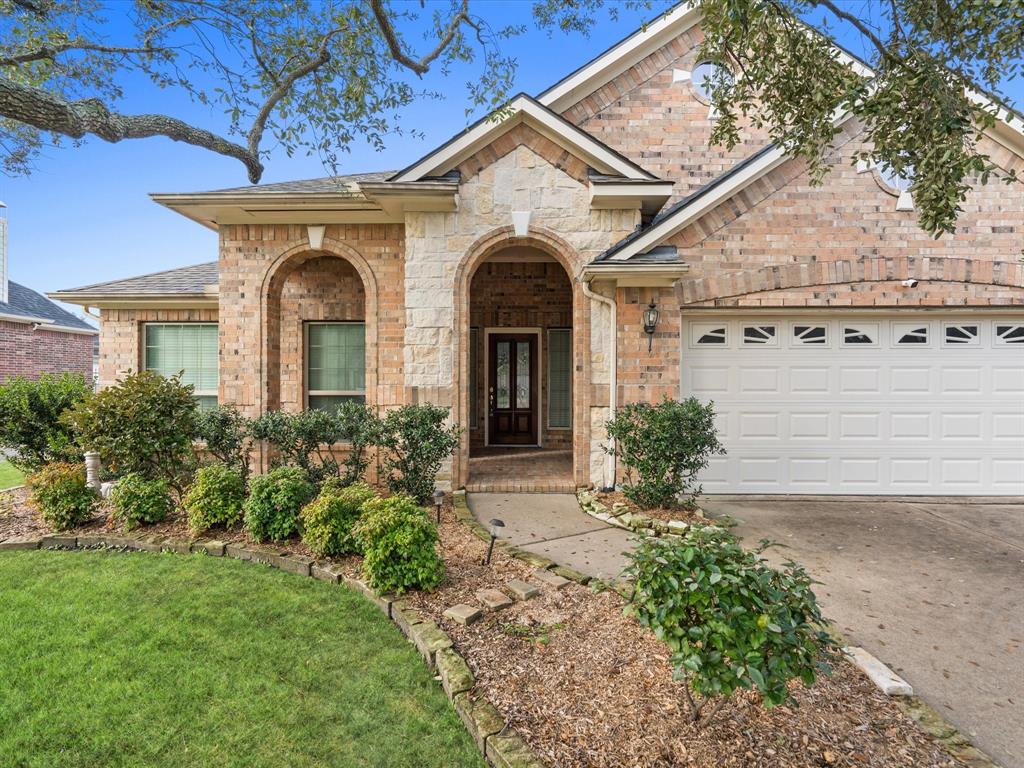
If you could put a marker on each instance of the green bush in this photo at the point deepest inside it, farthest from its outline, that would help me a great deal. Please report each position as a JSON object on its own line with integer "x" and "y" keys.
{"x": 215, "y": 497}
{"x": 399, "y": 542}
{"x": 30, "y": 427}
{"x": 144, "y": 424}
{"x": 730, "y": 620}
{"x": 59, "y": 492}
{"x": 301, "y": 439}
{"x": 138, "y": 500}
{"x": 417, "y": 441}
{"x": 360, "y": 428}
{"x": 663, "y": 447}
{"x": 327, "y": 521}
{"x": 225, "y": 433}
{"x": 272, "y": 509}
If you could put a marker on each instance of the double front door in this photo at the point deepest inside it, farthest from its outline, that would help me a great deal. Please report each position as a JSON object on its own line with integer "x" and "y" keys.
{"x": 512, "y": 399}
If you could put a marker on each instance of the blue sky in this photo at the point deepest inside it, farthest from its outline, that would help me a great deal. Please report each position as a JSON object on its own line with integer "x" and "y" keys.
{"x": 84, "y": 215}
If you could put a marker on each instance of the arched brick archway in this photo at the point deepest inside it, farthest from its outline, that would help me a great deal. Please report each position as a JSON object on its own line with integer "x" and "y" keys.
{"x": 490, "y": 244}
{"x": 789, "y": 276}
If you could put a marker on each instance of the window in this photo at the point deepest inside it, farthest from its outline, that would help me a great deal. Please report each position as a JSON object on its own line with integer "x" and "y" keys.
{"x": 706, "y": 334}
{"x": 759, "y": 334}
{"x": 706, "y": 77}
{"x": 896, "y": 183}
{"x": 186, "y": 348}
{"x": 809, "y": 334}
{"x": 560, "y": 378}
{"x": 859, "y": 334}
{"x": 335, "y": 364}
{"x": 961, "y": 335}
{"x": 1010, "y": 334}
{"x": 910, "y": 334}
{"x": 474, "y": 361}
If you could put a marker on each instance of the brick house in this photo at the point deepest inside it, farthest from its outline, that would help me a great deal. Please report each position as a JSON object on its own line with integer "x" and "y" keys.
{"x": 506, "y": 274}
{"x": 36, "y": 335}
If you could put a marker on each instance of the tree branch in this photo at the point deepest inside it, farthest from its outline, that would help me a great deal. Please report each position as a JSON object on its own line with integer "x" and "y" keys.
{"x": 861, "y": 27}
{"x": 395, "y": 46}
{"x": 51, "y": 51}
{"x": 47, "y": 112}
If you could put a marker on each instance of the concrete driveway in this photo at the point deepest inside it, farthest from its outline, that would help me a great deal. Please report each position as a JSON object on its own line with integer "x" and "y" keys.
{"x": 933, "y": 588}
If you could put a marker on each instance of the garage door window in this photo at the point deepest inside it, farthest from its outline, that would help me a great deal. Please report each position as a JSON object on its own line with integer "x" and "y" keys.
{"x": 1010, "y": 334}
{"x": 961, "y": 335}
{"x": 760, "y": 334}
{"x": 910, "y": 334}
{"x": 708, "y": 334}
{"x": 860, "y": 335}
{"x": 809, "y": 334}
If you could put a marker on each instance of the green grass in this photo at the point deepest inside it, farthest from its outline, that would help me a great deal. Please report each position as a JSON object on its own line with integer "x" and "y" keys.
{"x": 175, "y": 660}
{"x": 9, "y": 476}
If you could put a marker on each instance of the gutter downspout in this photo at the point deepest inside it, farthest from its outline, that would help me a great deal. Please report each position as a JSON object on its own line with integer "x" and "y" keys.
{"x": 609, "y": 471}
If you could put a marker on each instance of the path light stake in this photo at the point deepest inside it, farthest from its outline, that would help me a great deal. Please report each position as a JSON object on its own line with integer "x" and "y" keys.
{"x": 650, "y": 323}
{"x": 438, "y": 498}
{"x": 496, "y": 526}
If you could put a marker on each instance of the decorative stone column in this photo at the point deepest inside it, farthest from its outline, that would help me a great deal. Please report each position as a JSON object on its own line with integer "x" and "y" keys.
{"x": 92, "y": 470}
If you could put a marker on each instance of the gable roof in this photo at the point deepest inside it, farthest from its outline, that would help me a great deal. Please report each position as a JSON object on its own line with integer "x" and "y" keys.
{"x": 23, "y": 302}
{"x": 198, "y": 281}
{"x": 337, "y": 185}
{"x": 523, "y": 109}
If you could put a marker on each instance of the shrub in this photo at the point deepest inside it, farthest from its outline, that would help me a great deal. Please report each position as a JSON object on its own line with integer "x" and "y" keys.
{"x": 215, "y": 497}
{"x": 417, "y": 441}
{"x": 60, "y": 494}
{"x": 272, "y": 509}
{"x": 730, "y": 620}
{"x": 327, "y": 521}
{"x": 144, "y": 424}
{"x": 399, "y": 542}
{"x": 30, "y": 427}
{"x": 225, "y": 432}
{"x": 663, "y": 448}
{"x": 302, "y": 440}
{"x": 138, "y": 500}
{"x": 361, "y": 428}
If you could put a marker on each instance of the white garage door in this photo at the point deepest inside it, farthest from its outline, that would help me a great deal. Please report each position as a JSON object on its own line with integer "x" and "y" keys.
{"x": 912, "y": 404}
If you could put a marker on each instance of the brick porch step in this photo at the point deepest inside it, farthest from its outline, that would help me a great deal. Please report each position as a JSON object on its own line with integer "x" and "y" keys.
{"x": 521, "y": 486}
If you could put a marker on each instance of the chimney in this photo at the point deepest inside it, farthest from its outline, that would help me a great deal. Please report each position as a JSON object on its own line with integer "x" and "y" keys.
{"x": 3, "y": 253}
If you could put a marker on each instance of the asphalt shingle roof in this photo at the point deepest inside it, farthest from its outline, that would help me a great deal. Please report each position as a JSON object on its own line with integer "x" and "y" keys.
{"x": 325, "y": 184}
{"x": 25, "y": 302}
{"x": 193, "y": 279}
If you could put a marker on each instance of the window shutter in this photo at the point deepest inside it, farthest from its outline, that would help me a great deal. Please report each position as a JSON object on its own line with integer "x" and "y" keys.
{"x": 560, "y": 377}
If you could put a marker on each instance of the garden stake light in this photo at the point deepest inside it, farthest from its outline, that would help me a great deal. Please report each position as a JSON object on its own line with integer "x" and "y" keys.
{"x": 496, "y": 526}
{"x": 438, "y": 498}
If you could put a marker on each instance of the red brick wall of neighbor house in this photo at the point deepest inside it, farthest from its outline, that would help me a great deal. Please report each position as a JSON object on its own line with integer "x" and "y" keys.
{"x": 519, "y": 295}
{"x": 29, "y": 353}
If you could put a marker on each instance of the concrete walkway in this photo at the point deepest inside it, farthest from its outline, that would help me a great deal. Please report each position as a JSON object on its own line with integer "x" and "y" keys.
{"x": 552, "y": 524}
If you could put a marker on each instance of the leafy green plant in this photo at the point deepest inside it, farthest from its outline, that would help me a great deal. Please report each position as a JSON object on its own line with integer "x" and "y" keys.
{"x": 215, "y": 497}
{"x": 730, "y": 620}
{"x": 417, "y": 442}
{"x": 301, "y": 439}
{"x": 399, "y": 542}
{"x": 360, "y": 428}
{"x": 663, "y": 447}
{"x": 59, "y": 492}
{"x": 138, "y": 500}
{"x": 144, "y": 424}
{"x": 538, "y": 634}
{"x": 225, "y": 433}
{"x": 327, "y": 521}
{"x": 272, "y": 509}
{"x": 31, "y": 430}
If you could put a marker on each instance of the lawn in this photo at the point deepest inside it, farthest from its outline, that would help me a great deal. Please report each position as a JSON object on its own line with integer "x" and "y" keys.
{"x": 176, "y": 660}
{"x": 9, "y": 476}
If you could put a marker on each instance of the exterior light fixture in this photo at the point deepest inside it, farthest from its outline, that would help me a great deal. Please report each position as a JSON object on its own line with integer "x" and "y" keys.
{"x": 495, "y": 527}
{"x": 650, "y": 323}
{"x": 438, "y": 498}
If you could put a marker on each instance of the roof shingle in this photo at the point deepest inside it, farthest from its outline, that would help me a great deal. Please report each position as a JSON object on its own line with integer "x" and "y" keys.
{"x": 195, "y": 279}
{"x": 24, "y": 302}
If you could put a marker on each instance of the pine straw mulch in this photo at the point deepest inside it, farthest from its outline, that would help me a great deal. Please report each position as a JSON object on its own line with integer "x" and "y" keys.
{"x": 611, "y": 498}
{"x": 588, "y": 688}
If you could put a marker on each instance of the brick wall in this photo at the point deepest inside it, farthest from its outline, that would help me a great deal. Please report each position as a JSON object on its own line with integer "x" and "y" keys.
{"x": 121, "y": 336}
{"x": 30, "y": 353}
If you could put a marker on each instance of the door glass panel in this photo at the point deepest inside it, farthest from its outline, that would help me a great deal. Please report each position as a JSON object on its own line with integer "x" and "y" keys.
{"x": 503, "y": 372}
{"x": 523, "y": 374}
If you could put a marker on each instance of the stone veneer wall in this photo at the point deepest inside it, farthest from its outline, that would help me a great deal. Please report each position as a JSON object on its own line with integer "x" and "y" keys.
{"x": 121, "y": 336}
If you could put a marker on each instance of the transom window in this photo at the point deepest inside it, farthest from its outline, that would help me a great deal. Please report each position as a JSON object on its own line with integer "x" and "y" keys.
{"x": 189, "y": 349}
{"x": 759, "y": 334}
{"x": 961, "y": 334}
{"x": 1010, "y": 334}
{"x": 335, "y": 364}
{"x": 859, "y": 334}
{"x": 905, "y": 335}
{"x": 809, "y": 334}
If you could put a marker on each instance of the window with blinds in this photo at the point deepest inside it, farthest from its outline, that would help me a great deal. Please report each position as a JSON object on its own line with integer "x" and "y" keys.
{"x": 474, "y": 382}
{"x": 189, "y": 349}
{"x": 335, "y": 364}
{"x": 560, "y": 378}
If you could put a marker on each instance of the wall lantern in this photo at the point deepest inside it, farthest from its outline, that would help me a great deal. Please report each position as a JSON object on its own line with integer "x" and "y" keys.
{"x": 438, "y": 499}
{"x": 496, "y": 526}
{"x": 650, "y": 323}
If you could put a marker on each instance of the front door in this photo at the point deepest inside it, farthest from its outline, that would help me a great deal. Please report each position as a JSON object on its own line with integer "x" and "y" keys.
{"x": 512, "y": 389}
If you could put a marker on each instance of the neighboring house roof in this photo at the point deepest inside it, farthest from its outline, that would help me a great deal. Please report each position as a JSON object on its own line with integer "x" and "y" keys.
{"x": 23, "y": 302}
{"x": 198, "y": 280}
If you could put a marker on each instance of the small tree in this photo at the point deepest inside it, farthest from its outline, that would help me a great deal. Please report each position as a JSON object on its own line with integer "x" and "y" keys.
{"x": 663, "y": 448}
{"x": 144, "y": 424}
{"x": 30, "y": 426}
{"x": 417, "y": 441}
{"x": 301, "y": 439}
{"x": 225, "y": 432}
{"x": 730, "y": 620}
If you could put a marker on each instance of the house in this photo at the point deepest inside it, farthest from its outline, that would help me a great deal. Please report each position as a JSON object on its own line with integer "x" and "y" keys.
{"x": 512, "y": 273}
{"x": 36, "y": 335}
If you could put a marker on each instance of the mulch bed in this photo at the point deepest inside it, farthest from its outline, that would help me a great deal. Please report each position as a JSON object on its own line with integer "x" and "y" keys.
{"x": 609, "y": 498}
{"x": 589, "y": 688}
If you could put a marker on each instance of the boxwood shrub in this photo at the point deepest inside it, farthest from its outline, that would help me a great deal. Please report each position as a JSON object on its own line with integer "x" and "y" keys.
{"x": 399, "y": 541}
{"x": 327, "y": 521}
{"x": 138, "y": 500}
{"x": 59, "y": 492}
{"x": 272, "y": 510}
{"x": 215, "y": 497}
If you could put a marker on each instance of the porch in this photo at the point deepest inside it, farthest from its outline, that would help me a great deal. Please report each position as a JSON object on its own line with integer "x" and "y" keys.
{"x": 520, "y": 470}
